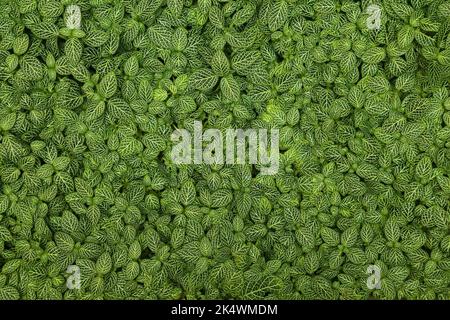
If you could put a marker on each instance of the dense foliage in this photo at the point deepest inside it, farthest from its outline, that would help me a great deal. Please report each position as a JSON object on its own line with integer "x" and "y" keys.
{"x": 87, "y": 109}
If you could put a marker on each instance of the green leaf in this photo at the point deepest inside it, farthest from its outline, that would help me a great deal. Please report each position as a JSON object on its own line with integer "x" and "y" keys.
{"x": 44, "y": 30}
{"x": 221, "y": 198}
{"x": 64, "y": 181}
{"x": 9, "y": 293}
{"x": 161, "y": 36}
{"x": 131, "y": 66}
{"x": 405, "y": 36}
{"x": 203, "y": 79}
{"x": 5, "y": 234}
{"x": 349, "y": 236}
{"x": 230, "y": 88}
{"x": 61, "y": 163}
{"x": 73, "y": 50}
{"x": 243, "y": 60}
{"x": 132, "y": 270}
{"x": 424, "y": 169}
{"x": 20, "y": 44}
{"x": 95, "y": 38}
{"x": 83, "y": 188}
{"x": 104, "y": 264}
{"x": 64, "y": 242}
{"x": 220, "y": 64}
{"x": 374, "y": 55}
{"x": 31, "y": 68}
{"x": 356, "y": 256}
{"x": 108, "y": 85}
{"x": 11, "y": 266}
{"x": 278, "y": 14}
{"x": 175, "y": 7}
{"x": 258, "y": 289}
{"x": 330, "y": 236}
{"x": 392, "y": 230}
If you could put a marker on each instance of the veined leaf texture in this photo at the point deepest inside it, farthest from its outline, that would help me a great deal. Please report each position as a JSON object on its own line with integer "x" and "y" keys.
{"x": 91, "y": 91}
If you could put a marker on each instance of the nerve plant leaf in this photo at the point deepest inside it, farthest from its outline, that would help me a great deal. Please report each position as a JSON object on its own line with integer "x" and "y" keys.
{"x": 347, "y": 199}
